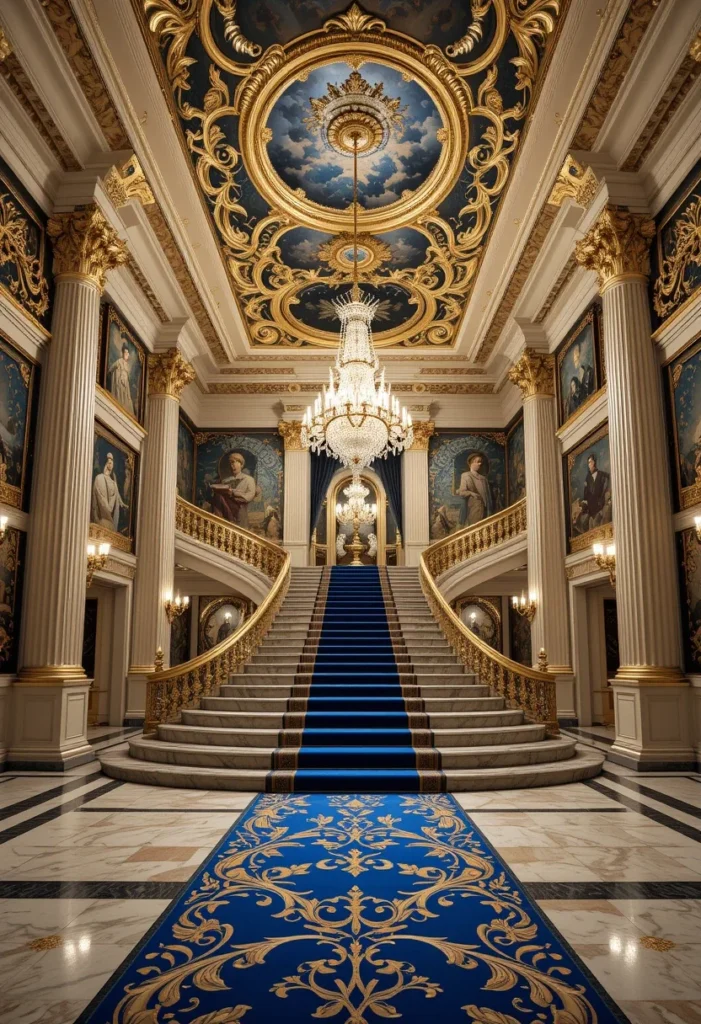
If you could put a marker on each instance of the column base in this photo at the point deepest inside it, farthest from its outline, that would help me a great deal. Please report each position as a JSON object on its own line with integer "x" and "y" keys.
{"x": 299, "y": 552}
{"x": 652, "y": 710}
{"x": 564, "y": 693}
{"x": 49, "y": 721}
{"x": 136, "y": 694}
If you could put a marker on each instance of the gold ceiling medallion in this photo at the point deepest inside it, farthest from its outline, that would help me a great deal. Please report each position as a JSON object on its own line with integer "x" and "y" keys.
{"x": 372, "y": 253}
{"x": 476, "y": 130}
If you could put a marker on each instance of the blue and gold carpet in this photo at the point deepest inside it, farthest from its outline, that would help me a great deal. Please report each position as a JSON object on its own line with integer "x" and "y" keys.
{"x": 355, "y": 719}
{"x": 358, "y": 909}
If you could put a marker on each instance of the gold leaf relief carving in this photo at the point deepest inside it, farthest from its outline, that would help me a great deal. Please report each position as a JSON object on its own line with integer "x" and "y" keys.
{"x": 86, "y": 244}
{"x": 619, "y": 243}
{"x": 673, "y": 285}
{"x": 30, "y": 287}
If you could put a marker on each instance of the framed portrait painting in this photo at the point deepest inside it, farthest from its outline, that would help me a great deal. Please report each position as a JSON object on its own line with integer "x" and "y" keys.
{"x": 17, "y": 384}
{"x": 579, "y": 365}
{"x": 11, "y": 575}
{"x": 122, "y": 364}
{"x": 113, "y": 495}
{"x": 515, "y": 461}
{"x": 219, "y": 618}
{"x": 467, "y": 478}
{"x": 684, "y": 392}
{"x": 588, "y": 491}
{"x": 186, "y": 458}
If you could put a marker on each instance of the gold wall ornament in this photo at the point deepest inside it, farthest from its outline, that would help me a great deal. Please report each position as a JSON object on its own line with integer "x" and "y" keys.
{"x": 695, "y": 48}
{"x": 86, "y": 244}
{"x": 474, "y": 33}
{"x": 673, "y": 286}
{"x": 168, "y": 373}
{"x": 423, "y": 431}
{"x": 128, "y": 182}
{"x": 291, "y": 432}
{"x": 534, "y": 373}
{"x": 233, "y": 33}
{"x": 618, "y": 244}
{"x": 30, "y": 288}
{"x": 574, "y": 182}
{"x": 5, "y": 46}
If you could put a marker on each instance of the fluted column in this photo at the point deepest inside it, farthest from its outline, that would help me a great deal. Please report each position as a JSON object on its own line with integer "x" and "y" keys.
{"x": 415, "y": 493}
{"x": 295, "y": 526}
{"x": 168, "y": 373}
{"x": 50, "y": 697}
{"x": 651, "y": 696}
{"x": 534, "y": 374}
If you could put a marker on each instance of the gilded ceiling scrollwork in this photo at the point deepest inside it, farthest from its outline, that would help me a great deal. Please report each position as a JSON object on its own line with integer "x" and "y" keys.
{"x": 279, "y": 200}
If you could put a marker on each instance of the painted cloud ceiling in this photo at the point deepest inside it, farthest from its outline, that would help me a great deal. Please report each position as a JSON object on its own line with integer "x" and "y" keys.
{"x": 259, "y": 87}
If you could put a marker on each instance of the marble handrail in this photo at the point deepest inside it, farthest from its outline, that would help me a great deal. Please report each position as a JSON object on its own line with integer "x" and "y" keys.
{"x": 521, "y": 687}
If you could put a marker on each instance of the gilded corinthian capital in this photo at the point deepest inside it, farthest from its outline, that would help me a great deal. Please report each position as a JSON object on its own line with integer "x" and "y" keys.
{"x": 291, "y": 432}
{"x": 534, "y": 373}
{"x": 423, "y": 431}
{"x": 617, "y": 245}
{"x": 168, "y": 373}
{"x": 86, "y": 244}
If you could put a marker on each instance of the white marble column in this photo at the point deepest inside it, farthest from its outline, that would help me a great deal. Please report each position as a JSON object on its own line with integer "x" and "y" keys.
{"x": 295, "y": 528}
{"x": 415, "y": 493}
{"x": 651, "y": 696}
{"x": 534, "y": 374}
{"x": 168, "y": 373}
{"x": 50, "y": 697}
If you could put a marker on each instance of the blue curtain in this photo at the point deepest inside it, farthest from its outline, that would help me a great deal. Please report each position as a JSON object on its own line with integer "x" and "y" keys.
{"x": 389, "y": 471}
{"x": 323, "y": 469}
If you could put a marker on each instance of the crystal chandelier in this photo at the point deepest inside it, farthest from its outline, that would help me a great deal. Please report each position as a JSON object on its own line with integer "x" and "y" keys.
{"x": 356, "y": 418}
{"x": 356, "y": 513}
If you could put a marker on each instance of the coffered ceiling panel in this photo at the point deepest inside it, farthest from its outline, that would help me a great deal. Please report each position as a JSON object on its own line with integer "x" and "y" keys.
{"x": 270, "y": 96}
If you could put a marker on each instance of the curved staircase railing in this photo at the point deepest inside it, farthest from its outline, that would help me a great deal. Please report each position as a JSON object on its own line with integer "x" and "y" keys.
{"x": 521, "y": 687}
{"x": 172, "y": 689}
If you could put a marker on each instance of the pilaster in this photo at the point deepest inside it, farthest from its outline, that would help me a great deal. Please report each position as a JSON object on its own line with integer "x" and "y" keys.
{"x": 533, "y": 373}
{"x": 651, "y": 696}
{"x": 168, "y": 374}
{"x": 295, "y": 536}
{"x": 415, "y": 493}
{"x": 50, "y": 698}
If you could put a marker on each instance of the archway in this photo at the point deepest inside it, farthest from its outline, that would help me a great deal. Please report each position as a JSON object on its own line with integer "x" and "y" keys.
{"x": 377, "y": 495}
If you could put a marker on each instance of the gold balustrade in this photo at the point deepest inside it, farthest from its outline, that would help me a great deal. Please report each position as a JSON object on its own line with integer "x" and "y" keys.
{"x": 231, "y": 540}
{"x": 475, "y": 540}
{"x": 172, "y": 689}
{"x": 521, "y": 687}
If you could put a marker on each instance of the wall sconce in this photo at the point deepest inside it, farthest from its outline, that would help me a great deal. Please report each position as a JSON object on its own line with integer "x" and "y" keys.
{"x": 525, "y": 607}
{"x": 97, "y": 559}
{"x": 606, "y": 559}
{"x": 175, "y": 607}
{"x": 697, "y": 527}
{"x": 3, "y": 528}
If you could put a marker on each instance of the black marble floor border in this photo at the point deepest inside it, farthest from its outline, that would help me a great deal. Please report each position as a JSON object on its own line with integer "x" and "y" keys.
{"x": 613, "y": 890}
{"x": 590, "y": 735}
{"x": 22, "y": 827}
{"x": 544, "y": 810}
{"x": 101, "y": 890}
{"x": 649, "y": 812}
{"x": 115, "y": 734}
{"x": 663, "y": 798}
{"x": 170, "y": 810}
{"x": 48, "y": 794}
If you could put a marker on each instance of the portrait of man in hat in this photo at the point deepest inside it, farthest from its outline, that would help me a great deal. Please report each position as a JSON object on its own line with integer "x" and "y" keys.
{"x": 478, "y": 494}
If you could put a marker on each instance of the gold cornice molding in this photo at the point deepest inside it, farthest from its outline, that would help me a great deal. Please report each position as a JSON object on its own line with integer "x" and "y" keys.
{"x": 169, "y": 373}
{"x": 423, "y": 432}
{"x": 85, "y": 245}
{"x": 534, "y": 373}
{"x": 311, "y": 387}
{"x": 617, "y": 246}
{"x": 291, "y": 433}
{"x": 149, "y": 294}
{"x": 564, "y": 278}
{"x": 122, "y": 184}
{"x": 630, "y": 35}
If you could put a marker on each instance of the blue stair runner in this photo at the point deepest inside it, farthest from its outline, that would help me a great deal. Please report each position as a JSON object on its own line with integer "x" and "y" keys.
{"x": 356, "y": 721}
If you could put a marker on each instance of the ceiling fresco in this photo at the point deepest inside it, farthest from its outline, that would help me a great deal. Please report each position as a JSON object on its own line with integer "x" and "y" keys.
{"x": 266, "y": 93}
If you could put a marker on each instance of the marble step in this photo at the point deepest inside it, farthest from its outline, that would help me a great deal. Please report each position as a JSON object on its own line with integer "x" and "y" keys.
{"x": 283, "y": 686}
{"x": 270, "y": 738}
{"x": 585, "y": 764}
{"x": 277, "y": 702}
{"x": 284, "y": 654}
{"x": 261, "y": 719}
{"x": 418, "y": 677}
{"x": 213, "y": 756}
{"x": 352, "y": 668}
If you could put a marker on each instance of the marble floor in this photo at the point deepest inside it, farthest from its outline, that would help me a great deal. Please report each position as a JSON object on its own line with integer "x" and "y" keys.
{"x": 88, "y": 864}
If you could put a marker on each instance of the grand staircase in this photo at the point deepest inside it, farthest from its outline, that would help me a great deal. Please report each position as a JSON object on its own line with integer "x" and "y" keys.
{"x": 353, "y": 689}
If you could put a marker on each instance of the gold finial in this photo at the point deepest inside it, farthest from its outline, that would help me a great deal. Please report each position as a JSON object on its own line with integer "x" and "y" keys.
{"x": 542, "y": 660}
{"x": 158, "y": 660}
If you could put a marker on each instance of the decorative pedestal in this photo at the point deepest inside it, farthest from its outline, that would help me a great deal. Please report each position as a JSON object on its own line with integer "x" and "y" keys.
{"x": 651, "y": 696}
{"x": 295, "y": 530}
{"x": 50, "y": 698}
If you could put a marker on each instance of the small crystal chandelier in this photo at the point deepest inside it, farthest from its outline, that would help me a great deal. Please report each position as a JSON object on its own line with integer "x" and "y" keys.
{"x": 356, "y": 418}
{"x": 356, "y": 513}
